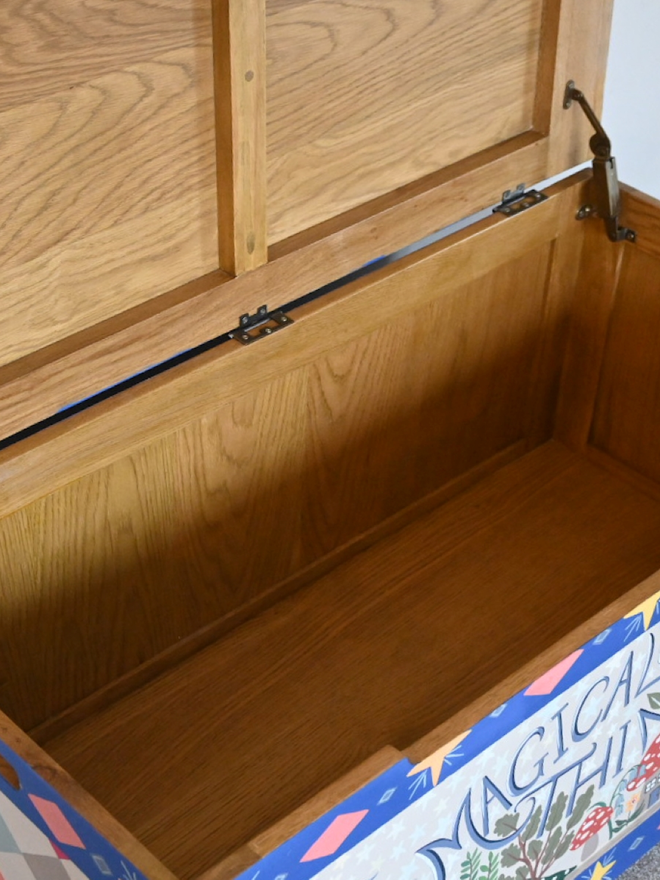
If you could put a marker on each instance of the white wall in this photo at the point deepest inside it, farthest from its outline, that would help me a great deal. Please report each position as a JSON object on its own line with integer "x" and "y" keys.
{"x": 632, "y": 94}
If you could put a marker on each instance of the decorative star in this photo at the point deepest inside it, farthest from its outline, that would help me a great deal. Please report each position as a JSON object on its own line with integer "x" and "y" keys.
{"x": 436, "y": 761}
{"x": 601, "y": 871}
{"x": 647, "y": 608}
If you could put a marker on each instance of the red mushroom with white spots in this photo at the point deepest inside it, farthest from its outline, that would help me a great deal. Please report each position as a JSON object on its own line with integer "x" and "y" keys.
{"x": 649, "y": 766}
{"x": 587, "y": 835}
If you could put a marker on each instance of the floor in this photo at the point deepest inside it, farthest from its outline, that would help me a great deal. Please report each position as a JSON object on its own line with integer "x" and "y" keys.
{"x": 647, "y": 868}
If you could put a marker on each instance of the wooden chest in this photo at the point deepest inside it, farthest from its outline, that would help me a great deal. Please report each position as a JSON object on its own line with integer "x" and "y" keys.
{"x": 241, "y": 581}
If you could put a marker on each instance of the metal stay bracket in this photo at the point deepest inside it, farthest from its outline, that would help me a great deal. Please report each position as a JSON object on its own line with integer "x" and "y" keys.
{"x": 606, "y": 180}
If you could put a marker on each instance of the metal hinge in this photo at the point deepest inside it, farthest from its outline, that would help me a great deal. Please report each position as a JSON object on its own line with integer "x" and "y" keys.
{"x": 263, "y": 323}
{"x": 515, "y": 201}
{"x": 606, "y": 180}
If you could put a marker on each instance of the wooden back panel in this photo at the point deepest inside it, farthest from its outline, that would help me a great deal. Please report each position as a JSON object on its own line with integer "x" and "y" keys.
{"x": 107, "y": 161}
{"x": 187, "y": 501}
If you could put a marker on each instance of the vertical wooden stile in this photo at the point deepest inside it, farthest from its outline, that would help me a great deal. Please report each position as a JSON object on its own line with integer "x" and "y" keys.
{"x": 579, "y": 24}
{"x": 239, "y": 52}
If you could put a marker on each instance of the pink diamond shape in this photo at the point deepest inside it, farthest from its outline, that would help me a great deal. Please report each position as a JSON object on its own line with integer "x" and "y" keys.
{"x": 332, "y": 838}
{"x": 546, "y": 684}
{"x": 57, "y": 822}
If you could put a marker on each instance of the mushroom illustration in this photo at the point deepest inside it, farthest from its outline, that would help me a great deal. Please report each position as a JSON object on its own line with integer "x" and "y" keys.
{"x": 587, "y": 835}
{"x": 649, "y": 766}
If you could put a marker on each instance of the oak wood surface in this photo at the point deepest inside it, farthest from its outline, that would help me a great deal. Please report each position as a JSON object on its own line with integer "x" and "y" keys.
{"x": 47, "y": 46}
{"x": 626, "y": 417}
{"x": 232, "y": 866}
{"x": 325, "y": 800}
{"x": 270, "y": 460}
{"x": 159, "y": 329}
{"x": 343, "y": 130}
{"x": 248, "y": 729}
{"x": 239, "y": 53}
{"x": 137, "y": 260}
{"x": 469, "y": 716}
{"x": 81, "y": 801}
{"x": 580, "y": 25}
{"x": 641, "y": 212}
{"x": 201, "y": 638}
{"x": 107, "y": 156}
{"x": 599, "y": 270}
{"x": 143, "y": 414}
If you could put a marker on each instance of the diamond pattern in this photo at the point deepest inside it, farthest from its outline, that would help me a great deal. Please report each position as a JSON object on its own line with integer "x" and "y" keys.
{"x": 337, "y": 833}
{"x": 545, "y": 685}
{"x": 25, "y": 851}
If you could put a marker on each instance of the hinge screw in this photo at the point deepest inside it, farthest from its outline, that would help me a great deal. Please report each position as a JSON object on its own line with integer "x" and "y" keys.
{"x": 585, "y": 212}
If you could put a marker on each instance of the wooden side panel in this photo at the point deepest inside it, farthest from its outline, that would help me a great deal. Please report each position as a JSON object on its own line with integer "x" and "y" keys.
{"x": 107, "y": 161}
{"x": 189, "y": 499}
{"x": 614, "y": 365}
{"x": 366, "y": 97}
{"x": 627, "y": 413}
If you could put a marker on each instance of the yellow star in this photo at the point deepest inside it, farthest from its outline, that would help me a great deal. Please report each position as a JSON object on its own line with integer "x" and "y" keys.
{"x": 601, "y": 871}
{"x": 435, "y": 762}
{"x": 647, "y": 608}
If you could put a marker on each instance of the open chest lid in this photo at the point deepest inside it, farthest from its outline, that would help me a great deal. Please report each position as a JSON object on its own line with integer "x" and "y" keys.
{"x": 261, "y": 151}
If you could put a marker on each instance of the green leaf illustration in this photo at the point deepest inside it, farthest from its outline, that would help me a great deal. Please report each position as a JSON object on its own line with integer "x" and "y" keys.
{"x": 534, "y": 849}
{"x": 551, "y": 847}
{"x": 533, "y": 826}
{"x": 510, "y": 856}
{"x": 491, "y": 871}
{"x": 581, "y": 806}
{"x": 507, "y": 825}
{"x": 557, "y": 811}
{"x": 654, "y": 701}
{"x": 522, "y": 873}
{"x": 562, "y": 849}
{"x": 470, "y": 867}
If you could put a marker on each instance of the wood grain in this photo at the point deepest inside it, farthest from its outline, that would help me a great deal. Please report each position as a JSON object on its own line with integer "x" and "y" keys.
{"x": 239, "y": 51}
{"x": 188, "y": 316}
{"x": 595, "y": 295}
{"x": 108, "y": 177}
{"x": 580, "y": 25}
{"x": 85, "y": 43}
{"x": 561, "y": 288}
{"x": 325, "y": 801}
{"x": 265, "y": 461}
{"x": 170, "y": 401}
{"x": 186, "y": 647}
{"x": 342, "y": 130}
{"x": 49, "y": 46}
{"x": 130, "y": 560}
{"x": 365, "y": 657}
{"x": 521, "y": 678}
{"x": 626, "y": 417}
{"x": 455, "y": 372}
{"x": 232, "y": 866}
{"x": 641, "y": 212}
{"x": 81, "y": 801}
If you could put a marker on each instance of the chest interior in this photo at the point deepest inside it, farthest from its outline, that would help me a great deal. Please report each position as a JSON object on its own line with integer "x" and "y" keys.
{"x": 324, "y": 545}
